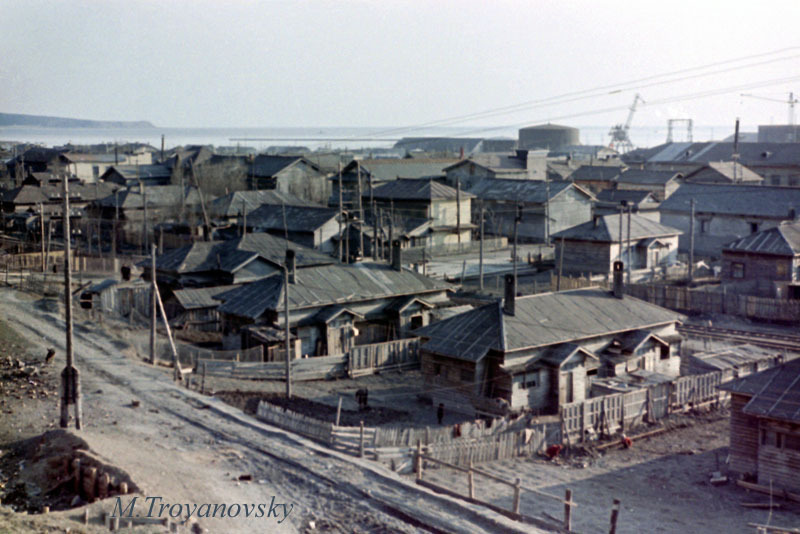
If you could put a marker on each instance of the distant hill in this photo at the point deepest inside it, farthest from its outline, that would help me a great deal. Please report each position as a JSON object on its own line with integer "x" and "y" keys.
{"x": 16, "y": 119}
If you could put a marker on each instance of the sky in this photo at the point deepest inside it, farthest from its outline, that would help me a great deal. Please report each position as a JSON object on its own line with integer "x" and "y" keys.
{"x": 398, "y": 63}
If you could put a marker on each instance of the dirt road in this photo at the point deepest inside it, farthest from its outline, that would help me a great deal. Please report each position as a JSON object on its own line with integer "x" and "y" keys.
{"x": 189, "y": 448}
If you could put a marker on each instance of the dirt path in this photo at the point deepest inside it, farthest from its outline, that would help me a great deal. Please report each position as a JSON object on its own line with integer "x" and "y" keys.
{"x": 188, "y": 448}
{"x": 662, "y": 482}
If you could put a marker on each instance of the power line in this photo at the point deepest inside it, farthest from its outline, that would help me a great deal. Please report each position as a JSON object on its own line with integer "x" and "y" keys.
{"x": 615, "y": 88}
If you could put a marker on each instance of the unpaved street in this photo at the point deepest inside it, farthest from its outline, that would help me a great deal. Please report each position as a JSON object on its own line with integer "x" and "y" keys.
{"x": 188, "y": 448}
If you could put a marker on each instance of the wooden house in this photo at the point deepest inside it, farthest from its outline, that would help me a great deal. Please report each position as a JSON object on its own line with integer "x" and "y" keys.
{"x": 734, "y": 362}
{"x": 311, "y": 226}
{"x": 134, "y": 175}
{"x": 596, "y": 178}
{"x": 229, "y": 208}
{"x": 448, "y": 210}
{"x": 541, "y": 351}
{"x": 333, "y": 307}
{"x": 765, "y": 426}
{"x": 196, "y": 308}
{"x": 609, "y": 202}
{"x": 766, "y": 263}
{"x": 289, "y": 174}
{"x": 519, "y": 165}
{"x": 723, "y": 172}
{"x": 594, "y": 246}
{"x": 244, "y": 259}
{"x": 661, "y": 183}
{"x": 547, "y": 208}
{"x": 724, "y": 213}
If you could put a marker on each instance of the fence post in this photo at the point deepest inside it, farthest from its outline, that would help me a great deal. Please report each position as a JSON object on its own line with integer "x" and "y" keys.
{"x": 471, "y": 481}
{"x": 614, "y": 516}
{"x": 361, "y": 440}
{"x": 517, "y": 483}
{"x": 419, "y": 461}
{"x": 203, "y": 381}
{"x": 338, "y": 410}
{"x": 568, "y": 509}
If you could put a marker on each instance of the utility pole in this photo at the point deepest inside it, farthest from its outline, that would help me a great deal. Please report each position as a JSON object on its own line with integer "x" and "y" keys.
{"x": 144, "y": 218}
{"x": 546, "y": 210}
{"x": 480, "y": 261}
{"x": 458, "y": 211}
{"x": 70, "y": 378}
{"x": 628, "y": 244}
{"x": 621, "y": 235}
{"x": 41, "y": 228}
{"x": 286, "y": 325}
{"x": 517, "y": 219}
{"x": 341, "y": 213}
{"x": 116, "y": 221}
{"x": 153, "y": 310}
{"x": 691, "y": 243}
{"x": 360, "y": 212}
{"x": 560, "y": 264}
{"x": 391, "y": 233}
{"x": 374, "y": 232}
{"x": 244, "y": 217}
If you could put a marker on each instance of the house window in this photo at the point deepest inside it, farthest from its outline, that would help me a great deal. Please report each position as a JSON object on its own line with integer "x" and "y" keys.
{"x": 775, "y": 179}
{"x": 771, "y": 438}
{"x": 793, "y": 181}
{"x": 704, "y": 224}
{"x": 437, "y": 369}
{"x": 529, "y": 380}
{"x": 753, "y": 227}
{"x": 664, "y": 352}
{"x": 467, "y": 375}
{"x": 791, "y": 442}
{"x": 781, "y": 269}
{"x": 737, "y": 270}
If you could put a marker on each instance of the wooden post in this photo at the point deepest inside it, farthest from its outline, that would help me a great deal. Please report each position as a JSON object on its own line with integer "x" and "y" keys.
{"x": 115, "y": 523}
{"x": 614, "y": 517}
{"x": 70, "y": 379}
{"x": 102, "y": 486}
{"x": 41, "y": 229}
{"x": 177, "y": 373}
{"x": 85, "y": 516}
{"x": 471, "y": 481}
{"x": 76, "y": 473}
{"x": 418, "y": 459}
{"x": 517, "y": 483}
{"x": 361, "y": 440}
{"x": 568, "y": 509}
{"x": 89, "y": 480}
{"x": 203, "y": 380}
{"x": 123, "y": 488}
{"x": 480, "y": 258}
{"x": 339, "y": 411}
{"x": 153, "y": 310}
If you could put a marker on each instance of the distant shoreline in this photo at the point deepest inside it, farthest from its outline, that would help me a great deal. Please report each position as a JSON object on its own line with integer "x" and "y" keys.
{"x": 44, "y": 121}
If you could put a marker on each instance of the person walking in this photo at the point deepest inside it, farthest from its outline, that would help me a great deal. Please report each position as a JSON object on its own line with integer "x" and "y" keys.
{"x": 440, "y": 413}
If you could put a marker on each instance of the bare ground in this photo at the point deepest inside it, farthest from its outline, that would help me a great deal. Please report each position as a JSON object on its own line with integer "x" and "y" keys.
{"x": 190, "y": 448}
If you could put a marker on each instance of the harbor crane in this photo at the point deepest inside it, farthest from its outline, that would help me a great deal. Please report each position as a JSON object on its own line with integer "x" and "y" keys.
{"x": 792, "y": 101}
{"x": 620, "y": 139}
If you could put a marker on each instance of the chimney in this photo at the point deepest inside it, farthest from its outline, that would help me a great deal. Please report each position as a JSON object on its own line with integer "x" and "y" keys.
{"x": 397, "y": 256}
{"x": 618, "y": 284}
{"x": 290, "y": 266}
{"x": 511, "y": 294}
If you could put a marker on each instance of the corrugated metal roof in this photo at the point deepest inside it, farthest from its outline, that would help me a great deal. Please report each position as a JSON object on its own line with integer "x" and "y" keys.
{"x": 132, "y": 172}
{"x": 203, "y": 297}
{"x": 606, "y": 229}
{"x": 296, "y": 218}
{"x": 775, "y": 392}
{"x": 327, "y": 285}
{"x": 750, "y": 154}
{"x": 595, "y": 172}
{"x": 783, "y": 240}
{"x": 156, "y": 196}
{"x": 647, "y": 177}
{"x": 727, "y": 199}
{"x": 384, "y": 170}
{"x": 615, "y": 196}
{"x": 528, "y": 191}
{"x": 415, "y": 189}
{"x": 733, "y": 357}
{"x": 231, "y": 205}
{"x": 541, "y": 320}
{"x": 265, "y": 166}
{"x": 203, "y": 256}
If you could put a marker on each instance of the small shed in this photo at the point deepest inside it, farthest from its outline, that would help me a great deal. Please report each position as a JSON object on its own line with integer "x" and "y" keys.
{"x": 765, "y": 426}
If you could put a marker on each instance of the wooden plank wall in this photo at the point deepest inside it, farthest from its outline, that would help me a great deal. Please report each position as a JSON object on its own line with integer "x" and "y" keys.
{"x": 367, "y": 359}
{"x": 318, "y": 368}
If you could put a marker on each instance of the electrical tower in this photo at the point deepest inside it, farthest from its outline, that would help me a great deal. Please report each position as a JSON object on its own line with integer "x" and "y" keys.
{"x": 671, "y": 123}
{"x": 791, "y": 102}
{"x": 620, "y": 138}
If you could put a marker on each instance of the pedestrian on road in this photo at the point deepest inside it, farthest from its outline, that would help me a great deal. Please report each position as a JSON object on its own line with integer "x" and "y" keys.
{"x": 440, "y": 413}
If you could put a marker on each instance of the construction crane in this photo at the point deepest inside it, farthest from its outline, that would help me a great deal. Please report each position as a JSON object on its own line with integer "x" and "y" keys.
{"x": 792, "y": 101}
{"x": 619, "y": 133}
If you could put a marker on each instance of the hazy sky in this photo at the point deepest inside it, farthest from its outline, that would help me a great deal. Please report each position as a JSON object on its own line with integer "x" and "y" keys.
{"x": 391, "y": 62}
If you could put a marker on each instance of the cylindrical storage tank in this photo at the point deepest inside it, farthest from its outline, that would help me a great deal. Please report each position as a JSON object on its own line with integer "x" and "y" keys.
{"x": 549, "y": 136}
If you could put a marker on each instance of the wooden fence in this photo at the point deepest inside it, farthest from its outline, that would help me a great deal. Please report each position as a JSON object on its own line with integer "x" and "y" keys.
{"x": 316, "y": 368}
{"x": 301, "y": 424}
{"x": 361, "y": 360}
{"x": 367, "y": 359}
{"x": 689, "y": 300}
